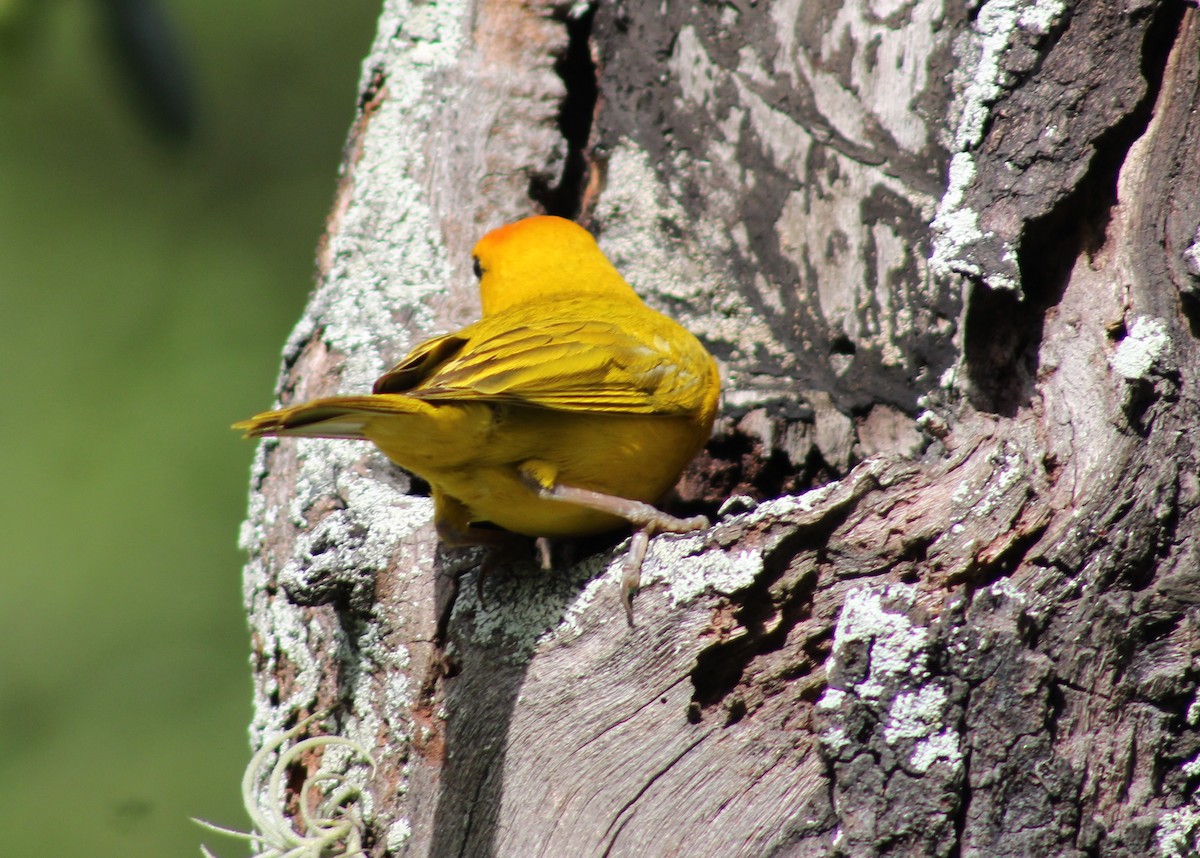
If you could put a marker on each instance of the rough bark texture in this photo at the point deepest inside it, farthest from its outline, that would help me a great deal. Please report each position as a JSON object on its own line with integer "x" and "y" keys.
{"x": 949, "y": 256}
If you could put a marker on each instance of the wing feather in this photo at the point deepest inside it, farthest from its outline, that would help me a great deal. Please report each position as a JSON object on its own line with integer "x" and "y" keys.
{"x": 419, "y": 364}
{"x": 575, "y": 365}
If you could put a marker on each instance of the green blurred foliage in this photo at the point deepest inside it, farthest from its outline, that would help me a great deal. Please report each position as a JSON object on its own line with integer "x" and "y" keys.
{"x": 145, "y": 292}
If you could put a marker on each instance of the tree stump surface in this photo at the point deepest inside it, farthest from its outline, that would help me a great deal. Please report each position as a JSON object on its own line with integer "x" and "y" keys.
{"x": 949, "y": 258}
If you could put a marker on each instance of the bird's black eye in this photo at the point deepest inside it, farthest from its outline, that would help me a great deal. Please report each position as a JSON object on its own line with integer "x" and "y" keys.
{"x": 478, "y": 268}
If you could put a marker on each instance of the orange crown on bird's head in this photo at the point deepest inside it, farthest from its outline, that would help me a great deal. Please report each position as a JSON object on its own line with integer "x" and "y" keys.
{"x": 542, "y": 256}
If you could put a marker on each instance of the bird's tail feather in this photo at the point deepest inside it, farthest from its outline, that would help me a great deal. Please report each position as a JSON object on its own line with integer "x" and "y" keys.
{"x": 332, "y": 417}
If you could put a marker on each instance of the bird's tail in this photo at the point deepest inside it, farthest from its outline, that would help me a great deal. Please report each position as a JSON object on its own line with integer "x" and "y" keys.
{"x": 332, "y": 417}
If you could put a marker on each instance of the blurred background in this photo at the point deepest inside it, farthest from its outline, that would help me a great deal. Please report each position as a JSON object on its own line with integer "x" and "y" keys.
{"x": 165, "y": 170}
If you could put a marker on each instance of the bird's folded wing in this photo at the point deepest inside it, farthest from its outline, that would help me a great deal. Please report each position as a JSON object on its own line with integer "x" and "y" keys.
{"x": 574, "y": 366}
{"x": 420, "y": 364}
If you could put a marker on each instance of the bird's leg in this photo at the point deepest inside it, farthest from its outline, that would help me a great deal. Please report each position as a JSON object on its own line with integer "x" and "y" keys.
{"x": 543, "y": 549}
{"x": 631, "y": 575}
{"x": 635, "y": 512}
{"x": 648, "y": 520}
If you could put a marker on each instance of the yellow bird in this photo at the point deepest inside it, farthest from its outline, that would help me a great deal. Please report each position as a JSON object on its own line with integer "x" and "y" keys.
{"x": 567, "y": 410}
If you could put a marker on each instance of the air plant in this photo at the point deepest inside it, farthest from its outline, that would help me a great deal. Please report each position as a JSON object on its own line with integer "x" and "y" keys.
{"x": 334, "y": 829}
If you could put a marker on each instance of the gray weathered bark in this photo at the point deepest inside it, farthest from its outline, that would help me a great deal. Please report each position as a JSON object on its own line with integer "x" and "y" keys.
{"x": 948, "y": 255}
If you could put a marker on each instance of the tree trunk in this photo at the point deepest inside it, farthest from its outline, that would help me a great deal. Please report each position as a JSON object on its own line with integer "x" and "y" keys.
{"x": 949, "y": 257}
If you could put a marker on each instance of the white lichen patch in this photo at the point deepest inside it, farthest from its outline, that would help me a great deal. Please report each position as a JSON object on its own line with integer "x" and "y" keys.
{"x": 376, "y": 517}
{"x": 398, "y": 835}
{"x": 946, "y": 744}
{"x": 369, "y": 517}
{"x": 524, "y": 605}
{"x": 1178, "y": 833}
{"x": 1041, "y": 16}
{"x": 385, "y": 262}
{"x": 385, "y": 254}
{"x": 956, "y": 227}
{"x": 781, "y": 509}
{"x": 834, "y": 740}
{"x": 1005, "y": 588}
{"x": 689, "y": 571}
{"x": 831, "y": 699}
{"x": 880, "y": 661}
{"x": 997, "y": 22}
{"x": 1193, "y": 712}
{"x": 897, "y": 647}
{"x": 1191, "y": 768}
{"x": 915, "y": 714}
{"x": 632, "y": 211}
{"x": 1141, "y": 349}
{"x": 921, "y": 715}
{"x": 287, "y": 630}
{"x": 433, "y": 28}
{"x": 530, "y": 608}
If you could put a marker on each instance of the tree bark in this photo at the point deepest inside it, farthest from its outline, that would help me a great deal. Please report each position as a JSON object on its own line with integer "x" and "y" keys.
{"x": 949, "y": 257}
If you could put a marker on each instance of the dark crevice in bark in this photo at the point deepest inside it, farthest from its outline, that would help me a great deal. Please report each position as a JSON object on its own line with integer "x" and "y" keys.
{"x": 578, "y": 72}
{"x": 449, "y": 581}
{"x": 1056, "y": 704}
{"x": 1011, "y": 558}
{"x": 1003, "y": 330}
{"x": 368, "y": 98}
{"x": 999, "y": 344}
{"x": 735, "y": 463}
{"x": 1051, "y": 244}
{"x": 842, "y": 345}
{"x": 1190, "y": 307}
{"x": 963, "y": 807}
{"x": 771, "y": 610}
{"x": 417, "y": 487}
